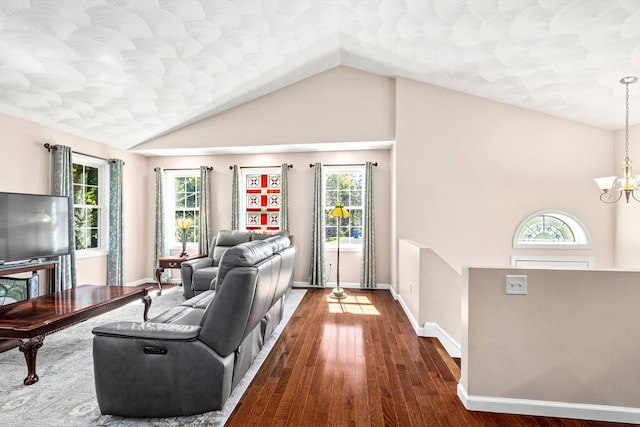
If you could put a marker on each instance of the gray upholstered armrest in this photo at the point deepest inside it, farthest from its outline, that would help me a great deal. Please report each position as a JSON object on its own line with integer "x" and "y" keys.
{"x": 187, "y": 269}
{"x": 148, "y": 330}
{"x": 198, "y": 263}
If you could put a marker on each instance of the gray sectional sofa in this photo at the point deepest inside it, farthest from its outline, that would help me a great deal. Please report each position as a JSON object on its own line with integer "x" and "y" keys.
{"x": 188, "y": 359}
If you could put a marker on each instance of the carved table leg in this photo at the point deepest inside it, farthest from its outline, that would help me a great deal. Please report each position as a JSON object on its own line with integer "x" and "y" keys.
{"x": 30, "y": 349}
{"x": 159, "y": 271}
{"x": 147, "y": 304}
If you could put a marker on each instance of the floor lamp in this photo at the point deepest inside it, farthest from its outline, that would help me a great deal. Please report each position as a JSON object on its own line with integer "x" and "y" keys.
{"x": 338, "y": 212}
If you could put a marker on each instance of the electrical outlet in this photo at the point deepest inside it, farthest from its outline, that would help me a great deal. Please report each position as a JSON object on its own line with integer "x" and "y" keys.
{"x": 410, "y": 287}
{"x": 516, "y": 285}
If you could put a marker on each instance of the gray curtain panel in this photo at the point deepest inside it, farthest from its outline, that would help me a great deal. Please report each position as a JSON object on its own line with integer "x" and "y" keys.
{"x": 204, "y": 232}
{"x": 115, "y": 256}
{"x": 62, "y": 185}
{"x": 161, "y": 238}
{"x": 235, "y": 199}
{"x": 368, "y": 271}
{"x": 284, "y": 202}
{"x": 316, "y": 266}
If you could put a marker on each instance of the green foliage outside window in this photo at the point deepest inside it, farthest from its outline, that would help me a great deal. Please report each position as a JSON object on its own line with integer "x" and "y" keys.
{"x": 87, "y": 210}
{"x": 187, "y": 205}
{"x": 346, "y": 188}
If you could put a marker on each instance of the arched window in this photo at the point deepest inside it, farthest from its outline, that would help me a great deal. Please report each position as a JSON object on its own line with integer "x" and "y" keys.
{"x": 553, "y": 229}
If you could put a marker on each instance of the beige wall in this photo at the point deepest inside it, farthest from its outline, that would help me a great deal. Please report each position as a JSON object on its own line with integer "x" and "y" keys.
{"x": 301, "y": 202}
{"x": 574, "y": 338}
{"x": 339, "y": 105}
{"x": 472, "y": 169}
{"x": 627, "y": 217}
{"x": 25, "y": 167}
{"x": 469, "y": 169}
{"x": 464, "y": 171}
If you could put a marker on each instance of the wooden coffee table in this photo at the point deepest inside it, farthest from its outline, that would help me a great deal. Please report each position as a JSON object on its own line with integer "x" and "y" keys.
{"x": 29, "y": 321}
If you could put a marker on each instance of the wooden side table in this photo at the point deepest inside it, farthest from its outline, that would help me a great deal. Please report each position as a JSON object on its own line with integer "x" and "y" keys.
{"x": 171, "y": 262}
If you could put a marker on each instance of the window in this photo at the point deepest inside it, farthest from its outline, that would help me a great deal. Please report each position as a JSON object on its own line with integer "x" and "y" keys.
{"x": 344, "y": 185}
{"x": 183, "y": 201}
{"x": 551, "y": 229}
{"x": 261, "y": 204}
{"x": 90, "y": 204}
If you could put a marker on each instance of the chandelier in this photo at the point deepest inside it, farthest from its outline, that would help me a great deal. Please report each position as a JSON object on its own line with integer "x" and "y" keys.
{"x": 629, "y": 185}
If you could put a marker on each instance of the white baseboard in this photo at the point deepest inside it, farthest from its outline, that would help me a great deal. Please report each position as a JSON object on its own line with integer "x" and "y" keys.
{"x": 580, "y": 411}
{"x": 407, "y": 312}
{"x": 433, "y": 330}
{"x": 352, "y": 285}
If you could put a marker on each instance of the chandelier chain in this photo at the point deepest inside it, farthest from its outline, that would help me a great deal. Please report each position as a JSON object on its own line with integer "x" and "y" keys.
{"x": 626, "y": 132}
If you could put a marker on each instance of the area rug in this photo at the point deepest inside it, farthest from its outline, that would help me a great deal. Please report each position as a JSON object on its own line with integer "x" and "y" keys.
{"x": 65, "y": 394}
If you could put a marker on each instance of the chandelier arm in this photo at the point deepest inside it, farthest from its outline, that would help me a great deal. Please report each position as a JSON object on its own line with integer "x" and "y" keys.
{"x": 607, "y": 197}
{"x": 633, "y": 194}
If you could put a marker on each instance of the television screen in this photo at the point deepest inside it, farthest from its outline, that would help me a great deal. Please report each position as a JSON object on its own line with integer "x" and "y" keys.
{"x": 33, "y": 226}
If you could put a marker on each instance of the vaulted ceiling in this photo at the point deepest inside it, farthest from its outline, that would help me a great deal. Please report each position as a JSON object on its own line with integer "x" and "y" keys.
{"x": 124, "y": 71}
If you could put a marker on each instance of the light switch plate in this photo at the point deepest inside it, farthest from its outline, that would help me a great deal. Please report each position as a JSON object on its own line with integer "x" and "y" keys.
{"x": 516, "y": 285}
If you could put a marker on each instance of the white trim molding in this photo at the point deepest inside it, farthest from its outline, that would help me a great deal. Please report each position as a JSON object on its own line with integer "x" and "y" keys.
{"x": 352, "y": 285}
{"x": 580, "y": 411}
{"x": 407, "y": 312}
{"x": 434, "y": 330}
{"x": 430, "y": 330}
{"x": 549, "y": 261}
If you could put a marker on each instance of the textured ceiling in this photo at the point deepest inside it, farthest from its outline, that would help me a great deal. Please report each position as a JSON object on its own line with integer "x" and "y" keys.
{"x": 124, "y": 71}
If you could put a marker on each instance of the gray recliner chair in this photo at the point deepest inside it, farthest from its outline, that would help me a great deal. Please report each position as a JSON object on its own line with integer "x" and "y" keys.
{"x": 197, "y": 274}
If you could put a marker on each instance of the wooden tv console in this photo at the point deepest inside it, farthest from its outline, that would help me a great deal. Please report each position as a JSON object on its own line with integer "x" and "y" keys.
{"x": 30, "y": 321}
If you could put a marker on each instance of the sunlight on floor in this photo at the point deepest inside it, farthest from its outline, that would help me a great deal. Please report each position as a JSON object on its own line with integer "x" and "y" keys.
{"x": 355, "y": 304}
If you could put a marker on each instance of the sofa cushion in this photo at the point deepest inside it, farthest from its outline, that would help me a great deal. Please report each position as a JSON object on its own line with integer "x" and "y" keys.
{"x": 201, "y": 279}
{"x": 180, "y": 315}
{"x": 201, "y": 301}
{"x": 278, "y": 243}
{"x": 226, "y": 239}
{"x": 263, "y": 235}
{"x": 243, "y": 255}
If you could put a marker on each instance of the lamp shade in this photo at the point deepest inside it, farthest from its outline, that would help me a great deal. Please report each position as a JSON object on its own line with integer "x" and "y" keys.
{"x": 184, "y": 223}
{"x": 339, "y": 211}
{"x": 605, "y": 183}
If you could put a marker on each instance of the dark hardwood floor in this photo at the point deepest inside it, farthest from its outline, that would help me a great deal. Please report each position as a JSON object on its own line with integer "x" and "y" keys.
{"x": 358, "y": 362}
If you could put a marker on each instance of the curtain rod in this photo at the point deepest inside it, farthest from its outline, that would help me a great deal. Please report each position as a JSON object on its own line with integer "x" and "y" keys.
{"x": 50, "y": 147}
{"x": 290, "y": 166}
{"x": 183, "y": 169}
{"x": 344, "y": 164}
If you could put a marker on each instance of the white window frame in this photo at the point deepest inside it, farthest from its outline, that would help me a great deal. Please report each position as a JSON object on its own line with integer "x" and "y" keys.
{"x": 580, "y": 232}
{"x": 243, "y": 191}
{"x": 170, "y": 211}
{"x": 346, "y": 245}
{"x": 103, "y": 205}
{"x": 532, "y": 261}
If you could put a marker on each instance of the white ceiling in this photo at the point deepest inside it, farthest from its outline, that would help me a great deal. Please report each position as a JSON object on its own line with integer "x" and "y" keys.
{"x": 124, "y": 71}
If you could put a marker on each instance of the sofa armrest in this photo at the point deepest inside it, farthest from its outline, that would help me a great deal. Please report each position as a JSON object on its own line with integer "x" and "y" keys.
{"x": 186, "y": 273}
{"x": 197, "y": 263}
{"x": 148, "y": 330}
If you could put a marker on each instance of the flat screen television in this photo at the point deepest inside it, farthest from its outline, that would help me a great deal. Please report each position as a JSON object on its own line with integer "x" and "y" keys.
{"x": 33, "y": 226}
